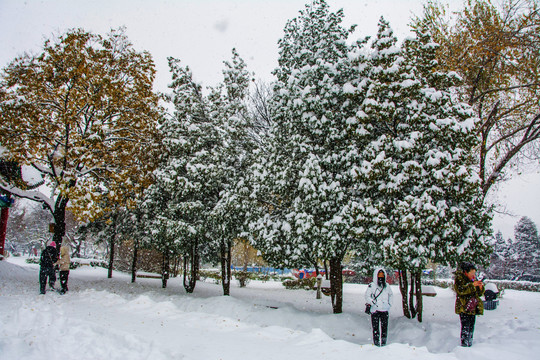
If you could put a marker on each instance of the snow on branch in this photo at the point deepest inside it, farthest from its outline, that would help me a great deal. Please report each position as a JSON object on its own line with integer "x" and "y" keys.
{"x": 28, "y": 194}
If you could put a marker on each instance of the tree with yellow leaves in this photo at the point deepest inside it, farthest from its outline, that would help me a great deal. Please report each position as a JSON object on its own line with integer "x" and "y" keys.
{"x": 496, "y": 51}
{"x": 83, "y": 114}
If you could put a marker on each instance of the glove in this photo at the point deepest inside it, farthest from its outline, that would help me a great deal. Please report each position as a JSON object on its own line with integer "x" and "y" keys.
{"x": 368, "y": 309}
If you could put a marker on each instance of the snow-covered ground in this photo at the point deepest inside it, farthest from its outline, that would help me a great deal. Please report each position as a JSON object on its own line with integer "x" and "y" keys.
{"x": 102, "y": 318}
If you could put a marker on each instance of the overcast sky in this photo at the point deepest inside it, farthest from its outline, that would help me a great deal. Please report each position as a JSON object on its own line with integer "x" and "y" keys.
{"x": 201, "y": 33}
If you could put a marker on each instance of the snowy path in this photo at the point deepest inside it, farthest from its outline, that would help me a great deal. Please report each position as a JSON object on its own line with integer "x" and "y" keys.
{"x": 113, "y": 319}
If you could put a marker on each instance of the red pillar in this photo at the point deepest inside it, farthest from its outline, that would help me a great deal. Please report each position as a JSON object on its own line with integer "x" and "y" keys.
{"x": 3, "y": 228}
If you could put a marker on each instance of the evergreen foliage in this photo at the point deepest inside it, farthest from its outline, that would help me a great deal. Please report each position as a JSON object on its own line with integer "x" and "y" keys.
{"x": 422, "y": 197}
{"x": 526, "y": 248}
{"x": 192, "y": 206}
{"x": 361, "y": 151}
{"x": 518, "y": 258}
{"x": 500, "y": 267}
{"x": 304, "y": 183}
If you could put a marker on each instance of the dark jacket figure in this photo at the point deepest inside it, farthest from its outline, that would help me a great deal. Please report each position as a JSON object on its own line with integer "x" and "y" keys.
{"x": 379, "y": 298}
{"x": 46, "y": 271}
{"x": 468, "y": 303}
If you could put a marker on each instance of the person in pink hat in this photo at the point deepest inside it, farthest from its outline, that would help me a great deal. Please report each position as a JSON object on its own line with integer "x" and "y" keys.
{"x": 49, "y": 256}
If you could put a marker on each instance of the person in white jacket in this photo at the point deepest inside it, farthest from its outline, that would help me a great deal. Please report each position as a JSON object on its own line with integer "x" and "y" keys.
{"x": 378, "y": 303}
{"x": 64, "y": 262}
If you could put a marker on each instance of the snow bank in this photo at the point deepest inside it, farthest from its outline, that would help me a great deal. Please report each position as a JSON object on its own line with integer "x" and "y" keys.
{"x": 102, "y": 318}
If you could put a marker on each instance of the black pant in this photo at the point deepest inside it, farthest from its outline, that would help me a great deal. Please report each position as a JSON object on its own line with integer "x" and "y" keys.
{"x": 379, "y": 336}
{"x": 45, "y": 273}
{"x": 64, "y": 279}
{"x": 467, "y": 328}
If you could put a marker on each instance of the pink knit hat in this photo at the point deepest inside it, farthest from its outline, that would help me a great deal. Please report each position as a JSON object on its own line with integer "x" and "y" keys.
{"x": 53, "y": 244}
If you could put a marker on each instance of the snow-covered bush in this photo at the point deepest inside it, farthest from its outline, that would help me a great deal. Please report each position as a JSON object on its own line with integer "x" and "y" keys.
{"x": 306, "y": 284}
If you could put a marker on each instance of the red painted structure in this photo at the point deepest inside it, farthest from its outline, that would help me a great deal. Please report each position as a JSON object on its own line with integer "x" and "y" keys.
{"x": 311, "y": 273}
{"x": 3, "y": 228}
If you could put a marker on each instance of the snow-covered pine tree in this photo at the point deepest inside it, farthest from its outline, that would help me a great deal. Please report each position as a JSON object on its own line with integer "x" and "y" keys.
{"x": 162, "y": 230}
{"x": 526, "y": 248}
{"x": 456, "y": 223}
{"x": 499, "y": 267}
{"x": 185, "y": 174}
{"x": 206, "y": 142}
{"x": 228, "y": 107}
{"x": 135, "y": 232}
{"x": 379, "y": 124}
{"x": 387, "y": 165}
{"x": 423, "y": 201}
{"x": 304, "y": 183}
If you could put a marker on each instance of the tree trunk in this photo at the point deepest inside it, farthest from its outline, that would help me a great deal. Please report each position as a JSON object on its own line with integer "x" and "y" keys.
{"x": 411, "y": 297}
{"x": 325, "y": 270}
{"x": 134, "y": 262}
{"x": 59, "y": 215}
{"x": 415, "y": 295}
{"x": 246, "y": 255}
{"x": 403, "y": 288}
{"x": 316, "y": 266}
{"x": 165, "y": 269}
{"x": 3, "y": 228}
{"x": 111, "y": 258}
{"x": 111, "y": 250}
{"x": 191, "y": 259}
{"x": 226, "y": 257}
{"x": 336, "y": 284}
{"x": 176, "y": 265}
{"x": 419, "y": 300}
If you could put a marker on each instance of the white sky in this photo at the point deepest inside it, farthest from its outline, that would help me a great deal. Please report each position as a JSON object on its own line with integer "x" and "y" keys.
{"x": 202, "y": 33}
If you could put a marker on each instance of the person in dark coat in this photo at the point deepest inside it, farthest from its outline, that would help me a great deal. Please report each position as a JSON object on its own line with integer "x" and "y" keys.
{"x": 49, "y": 257}
{"x": 468, "y": 303}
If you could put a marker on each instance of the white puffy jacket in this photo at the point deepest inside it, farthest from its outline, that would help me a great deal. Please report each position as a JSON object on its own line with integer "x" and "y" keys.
{"x": 379, "y": 297}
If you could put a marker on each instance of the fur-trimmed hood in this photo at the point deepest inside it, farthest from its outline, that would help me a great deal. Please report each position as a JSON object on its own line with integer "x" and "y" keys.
{"x": 376, "y": 272}
{"x": 379, "y": 297}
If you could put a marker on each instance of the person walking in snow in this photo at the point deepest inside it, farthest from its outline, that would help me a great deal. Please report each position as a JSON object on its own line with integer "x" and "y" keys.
{"x": 49, "y": 256}
{"x": 63, "y": 262}
{"x": 378, "y": 302}
{"x": 468, "y": 303}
